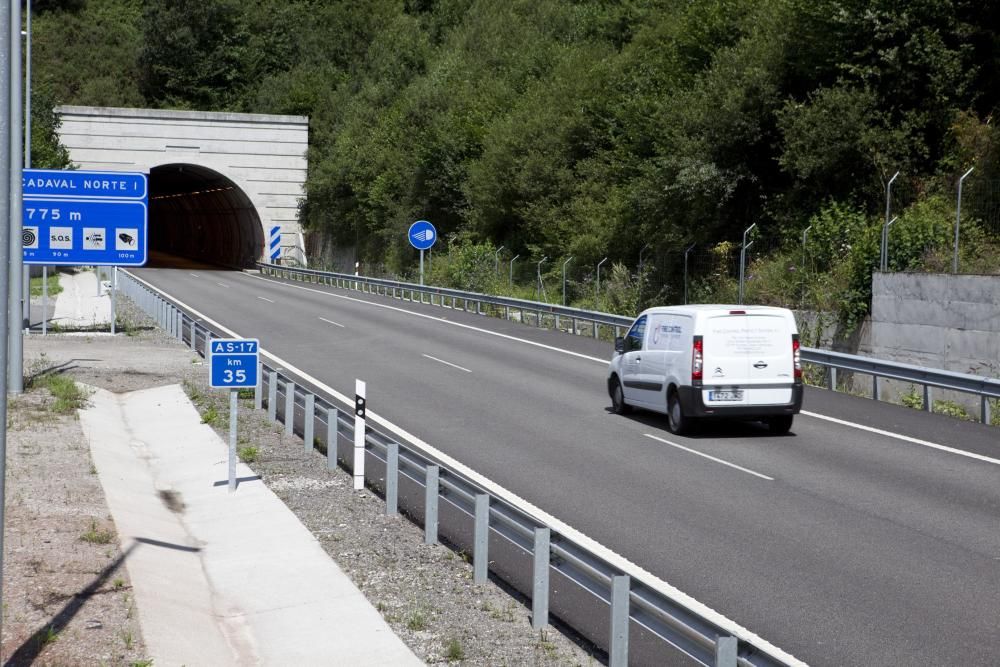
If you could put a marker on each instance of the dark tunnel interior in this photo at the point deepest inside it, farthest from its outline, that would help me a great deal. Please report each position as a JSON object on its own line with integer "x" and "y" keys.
{"x": 198, "y": 214}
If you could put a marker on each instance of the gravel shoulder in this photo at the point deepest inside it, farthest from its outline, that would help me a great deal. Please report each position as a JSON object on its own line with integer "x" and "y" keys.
{"x": 426, "y": 593}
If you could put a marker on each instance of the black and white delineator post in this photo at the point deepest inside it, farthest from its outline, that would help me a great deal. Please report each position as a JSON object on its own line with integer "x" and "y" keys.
{"x": 233, "y": 365}
{"x": 359, "y": 435}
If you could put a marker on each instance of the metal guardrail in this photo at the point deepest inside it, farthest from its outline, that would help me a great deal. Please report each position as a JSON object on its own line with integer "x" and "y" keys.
{"x": 635, "y": 617}
{"x": 569, "y": 320}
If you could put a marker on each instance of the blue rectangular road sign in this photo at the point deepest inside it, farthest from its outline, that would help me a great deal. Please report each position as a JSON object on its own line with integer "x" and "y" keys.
{"x": 84, "y": 217}
{"x": 233, "y": 363}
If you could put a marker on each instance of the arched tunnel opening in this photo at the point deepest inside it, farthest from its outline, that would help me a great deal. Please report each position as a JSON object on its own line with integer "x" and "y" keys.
{"x": 198, "y": 214}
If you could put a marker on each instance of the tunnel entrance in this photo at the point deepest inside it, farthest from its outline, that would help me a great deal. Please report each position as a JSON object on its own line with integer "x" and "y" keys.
{"x": 198, "y": 214}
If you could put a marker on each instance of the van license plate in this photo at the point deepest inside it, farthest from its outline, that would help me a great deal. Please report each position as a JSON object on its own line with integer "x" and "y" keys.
{"x": 731, "y": 395}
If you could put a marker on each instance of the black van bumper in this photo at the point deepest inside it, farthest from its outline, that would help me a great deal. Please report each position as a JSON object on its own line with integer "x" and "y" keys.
{"x": 694, "y": 406}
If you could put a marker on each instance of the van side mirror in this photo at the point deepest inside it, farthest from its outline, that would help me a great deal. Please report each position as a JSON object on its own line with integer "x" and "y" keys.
{"x": 620, "y": 345}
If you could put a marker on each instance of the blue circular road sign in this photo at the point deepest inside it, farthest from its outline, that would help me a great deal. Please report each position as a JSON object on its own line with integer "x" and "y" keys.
{"x": 422, "y": 235}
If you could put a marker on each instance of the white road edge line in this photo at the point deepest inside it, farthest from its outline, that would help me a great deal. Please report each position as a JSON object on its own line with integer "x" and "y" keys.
{"x": 264, "y": 298}
{"x": 905, "y": 438}
{"x": 447, "y": 363}
{"x": 711, "y": 458}
{"x": 436, "y": 319}
{"x": 336, "y": 324}
{"x": 616, "y": 560}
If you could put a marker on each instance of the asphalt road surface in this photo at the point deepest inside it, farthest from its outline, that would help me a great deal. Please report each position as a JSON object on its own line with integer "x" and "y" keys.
{"x": 855, "y": 540}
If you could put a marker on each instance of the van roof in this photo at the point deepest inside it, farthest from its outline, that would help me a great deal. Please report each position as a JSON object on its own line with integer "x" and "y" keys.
{"x": 715, "y": 307}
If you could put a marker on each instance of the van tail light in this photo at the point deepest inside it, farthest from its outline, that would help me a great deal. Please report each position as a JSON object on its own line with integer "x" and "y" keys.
{"x": 697, "y": 359}
{"x": 796, "y": 357}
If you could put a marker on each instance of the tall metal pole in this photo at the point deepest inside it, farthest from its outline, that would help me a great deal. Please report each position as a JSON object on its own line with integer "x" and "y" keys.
{"x": 805, "y": 234}
{"x": 599, "y": 275}
{"x": 496, "y": 259}
{"x": 27, "y": 87}
{"x": 888, "y": 229}
{"x": 958, "y": 220}
{"x": 421, "y": 266}
{"x": 644, "y": 249}
{"x": 743, "y": 257}
{"x": 540, "y": 289}
{"x": 5, "y": 243}
{"x": 883, "y": 263}
{"x": 689, "y": 249}
{"x": 564, "y": 277}
{"x": 512, "y": 260}
{"x": 15, "y": 375}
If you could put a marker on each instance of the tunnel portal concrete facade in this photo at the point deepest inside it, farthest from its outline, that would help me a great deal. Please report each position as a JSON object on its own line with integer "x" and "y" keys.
{"x": 239, "y": 174}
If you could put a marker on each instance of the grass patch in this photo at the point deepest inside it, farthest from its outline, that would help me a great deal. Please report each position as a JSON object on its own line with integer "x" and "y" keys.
{"x": 141, "y": 663}
{"x": 416, "y": 621}
{"x": 453, "y": 651}
{"x": 53, "y": 288}
{"x": 245, "y": 394}
{"x": 248, "y": 454}
{"x": 211, "y": 417}
{"x": 69, "y": 396}
{"x": 94, "y": 535}
{"x": 46, "y": 636}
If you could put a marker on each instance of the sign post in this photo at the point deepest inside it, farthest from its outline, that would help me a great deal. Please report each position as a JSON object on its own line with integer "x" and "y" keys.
{"x": 422, "y": 236}
{"x": 233, "y": 364}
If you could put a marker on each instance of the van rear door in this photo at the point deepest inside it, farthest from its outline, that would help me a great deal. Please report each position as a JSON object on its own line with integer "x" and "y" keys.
{"x": 748, "y": 357}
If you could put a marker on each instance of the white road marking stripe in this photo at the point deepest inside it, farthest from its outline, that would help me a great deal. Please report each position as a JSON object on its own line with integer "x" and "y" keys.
{"x": 336, "y": 324}
{"x": 711, "y": 458}
{"x": 264, "y": 298}
{"x": 194, "y": 274}
{"x": 612, "y": 558}
{"x": 437, "y": 319}
{"x": 447, "y": 363}
{"x": 222, "y": 285}
{"x": 906, "y": 438}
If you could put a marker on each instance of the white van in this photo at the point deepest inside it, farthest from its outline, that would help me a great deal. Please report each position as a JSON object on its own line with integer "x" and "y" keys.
{"x": 700, "y": 361}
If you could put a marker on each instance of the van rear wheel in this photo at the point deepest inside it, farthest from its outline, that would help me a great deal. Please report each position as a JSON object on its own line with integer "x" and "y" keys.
{"x": 677, "y": 422}
{"x": 618, "y": 404}
{"x": 780, "y": 425}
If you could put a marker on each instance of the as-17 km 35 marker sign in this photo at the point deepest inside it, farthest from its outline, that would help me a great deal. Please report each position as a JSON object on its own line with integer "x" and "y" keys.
{"x": 233, "y": 363}
{"x": 84, "y": 217}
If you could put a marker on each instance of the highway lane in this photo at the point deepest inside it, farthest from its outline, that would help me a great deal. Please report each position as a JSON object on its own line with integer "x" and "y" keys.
{"x": 859, "y": 549}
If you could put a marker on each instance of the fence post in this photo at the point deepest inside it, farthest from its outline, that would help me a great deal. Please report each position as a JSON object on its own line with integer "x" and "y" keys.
{"x": 272, "y": 396}
{"x": 725, "y": 651}
{"x": 309, "y": 423}
{"x": 359, "y": 435}
{"x": 431, "y": 505}
{"x": 332, "y": 437}
{"x": 289, "y": 408}
{"x": 392, "y": 479}
{"x": 540, "y": 580}
{"x": 481, "y": 542}
{"x": 618, "y": 655}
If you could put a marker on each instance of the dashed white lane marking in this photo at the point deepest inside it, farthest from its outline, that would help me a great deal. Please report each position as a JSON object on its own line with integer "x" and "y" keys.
{"x": 436, "y": 319}
{"x": 264, "y": 298}
{"x": 447, "y": 363}
{"x": 223, "y": 285}
{"x": 336, "y": 324}
{"x": 711, "y": 458}
{"x": 195, "y": 275}
{"x": 906, "y": 438}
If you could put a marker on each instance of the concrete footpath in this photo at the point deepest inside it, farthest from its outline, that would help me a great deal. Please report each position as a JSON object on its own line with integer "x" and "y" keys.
{"x": 219, "y": 578}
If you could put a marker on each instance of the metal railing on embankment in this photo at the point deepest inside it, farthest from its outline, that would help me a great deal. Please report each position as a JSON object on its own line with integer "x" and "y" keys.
{"x": 633, "y": 615}
{"x": 586, "y": 322}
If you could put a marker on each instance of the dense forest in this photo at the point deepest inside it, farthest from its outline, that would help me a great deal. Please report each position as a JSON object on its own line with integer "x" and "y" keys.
{"x": 587, "y": 128}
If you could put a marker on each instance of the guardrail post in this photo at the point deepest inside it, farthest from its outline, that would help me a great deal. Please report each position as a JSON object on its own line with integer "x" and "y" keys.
{"x": 540, "y": 580}
{"x": 875, "y": 387}
{"x": 194, "y": 336}
{"x": 618, "y": 654}
{"x": 289, "y": 408}
{"x": 431, "y": 505}
{"x": 272, "y": 396}
{"x": 574, "y": 327}
{"x": 725, "y": 651}
{"x": 309, "y": 425}
{"x": 258, "y": 391}
{"x": 832, "y": 379}
{"x": 481, "y": 543}
{"x": 392, "y": 479}
{"x": 928, "y": 399}
{"x": 984, "y": 409}
{"x": 597, "y": 328}
{"x": 359, "y": 435}
{"x": 332, "y": 437}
